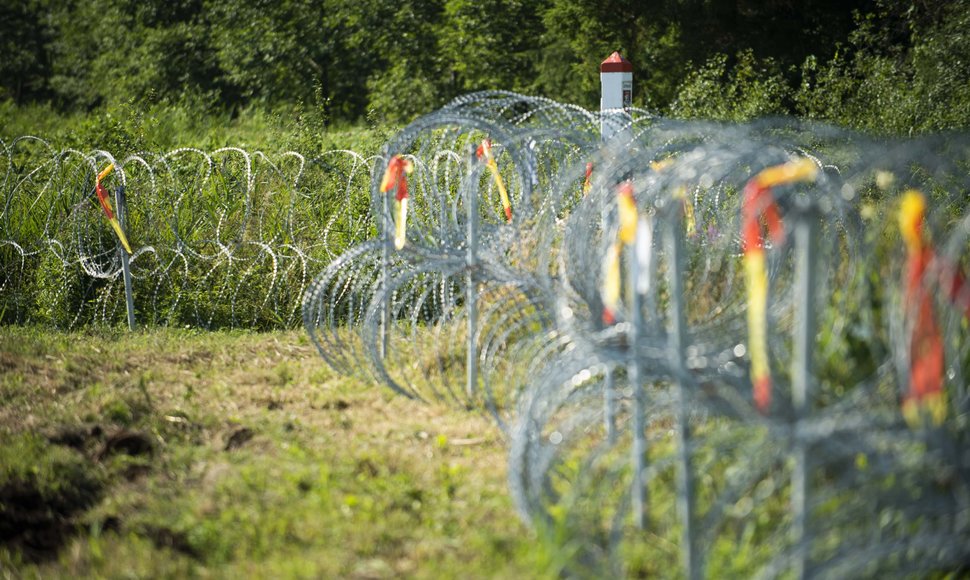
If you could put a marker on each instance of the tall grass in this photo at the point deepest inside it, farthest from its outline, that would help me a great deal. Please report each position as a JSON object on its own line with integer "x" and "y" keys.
{"x": 230, "y": 215}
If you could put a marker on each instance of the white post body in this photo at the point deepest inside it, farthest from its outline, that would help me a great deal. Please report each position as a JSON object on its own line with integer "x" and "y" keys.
{"x": 616, "y": 85}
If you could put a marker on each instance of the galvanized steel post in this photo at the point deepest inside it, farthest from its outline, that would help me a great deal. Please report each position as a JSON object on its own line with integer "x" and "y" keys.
{"x": 471, "y": 262}
{"x": 677, "y": 340}
{"x": 386, "y": 268}
{"x": 634, "y": 374}
{"x": 609, "y": 406}
{"x": 806, "y": 238}
{"x": 122, "y": 204}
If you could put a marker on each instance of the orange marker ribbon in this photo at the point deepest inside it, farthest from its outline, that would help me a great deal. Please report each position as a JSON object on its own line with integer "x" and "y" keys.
{"x": 395, "y": 177}
{"x": 627, "y": 234}
{"x": 484, "y": 151}
{"x": 627, "y": 211}
{"x": 759, "y": 202}
{"x": 102, "y": 194}
{"x": 925, "y": 394}
{"x": 610, "y": 290}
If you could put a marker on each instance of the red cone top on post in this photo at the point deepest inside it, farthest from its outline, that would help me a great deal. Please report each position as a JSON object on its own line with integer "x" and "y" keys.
{"x": 616, "y": 63}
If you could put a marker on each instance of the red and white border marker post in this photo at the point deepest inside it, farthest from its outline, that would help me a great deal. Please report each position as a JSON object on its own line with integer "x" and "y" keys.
{"x": 616, "y": 85}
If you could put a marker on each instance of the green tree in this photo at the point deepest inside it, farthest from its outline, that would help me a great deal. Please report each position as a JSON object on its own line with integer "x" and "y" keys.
{"x": 905, "y": 69}
{"x": 410, "y": 79}
{"x": 579, "y": 34}
{"x": 270, "y": 51}
{"x": 490, "y": 44}
{"x": 666, "y": 39}
{"x": 117, "y": 51}
{"x": 874, "y": 64}
{"x": 749, "y": 89}
{"x": 25, "y": 32}
{"x": 278, "y": 52}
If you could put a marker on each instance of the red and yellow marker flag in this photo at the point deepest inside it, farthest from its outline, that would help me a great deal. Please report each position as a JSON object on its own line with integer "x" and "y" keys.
{"x": 627, "y": 212}
{"x": 759, "y": 203}
{"x": 106, "y": 206}
{"x": 395, "y": 177}
{"x": 587, "y": 184}
{"x": 484, "y": 152}
{"x": 611, "y": 283}
{"x": 626, "y": 235}
{"x": 925, "y": 396}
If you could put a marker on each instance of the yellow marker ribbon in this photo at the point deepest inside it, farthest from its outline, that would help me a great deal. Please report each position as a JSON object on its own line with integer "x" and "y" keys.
{"x": 611, "y": 283}
{"x": 926, "y": 396}
{"x": 759, "y": 202}
{"x": 626, "y": 235}
{"x": 401, "y": 223}
{"x": 485, "y": 150}
{"x": 106, "y": 206}
{"x": 627, "y": 210}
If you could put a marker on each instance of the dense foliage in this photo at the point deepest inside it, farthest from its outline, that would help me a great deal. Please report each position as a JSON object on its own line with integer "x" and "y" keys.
{"x": 882, "y": 65}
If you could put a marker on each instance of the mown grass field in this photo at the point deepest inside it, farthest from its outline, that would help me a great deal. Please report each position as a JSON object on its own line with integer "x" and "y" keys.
{"x": 177, "y": 453}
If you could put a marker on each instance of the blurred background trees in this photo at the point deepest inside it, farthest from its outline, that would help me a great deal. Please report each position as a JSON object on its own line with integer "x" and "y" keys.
{"x": 880, "y": 65}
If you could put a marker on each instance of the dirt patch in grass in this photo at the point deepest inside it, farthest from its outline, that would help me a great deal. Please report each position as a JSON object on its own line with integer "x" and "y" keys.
{"x": 233, "y": 454}
{"x": 43, "y": 487}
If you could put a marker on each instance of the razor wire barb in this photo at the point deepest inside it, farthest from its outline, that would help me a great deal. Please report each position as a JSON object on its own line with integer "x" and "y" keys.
{"x": 711, "y": 347}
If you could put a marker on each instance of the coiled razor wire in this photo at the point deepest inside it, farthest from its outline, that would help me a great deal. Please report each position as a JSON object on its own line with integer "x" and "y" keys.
{"x": 648, "y": 427}
{"x": 437, "y": 318}
{"x": 226, "y": 238}
{"x": 639, "y": 441}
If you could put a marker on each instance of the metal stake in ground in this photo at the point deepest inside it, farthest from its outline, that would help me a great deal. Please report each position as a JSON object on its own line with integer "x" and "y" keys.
{"x": 122, "y": 205}
{"x": 634, "y": 373}
{"x": 674, "y": 238}
{"x": 471, "y": 262}
{"x": 806, "y": 238}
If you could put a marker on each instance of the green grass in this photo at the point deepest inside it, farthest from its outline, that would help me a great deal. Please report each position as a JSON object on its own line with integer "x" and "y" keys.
{"x": 131, "y": 127}
{"x": 288, "y": 204}
{"x": 173, "y": 453}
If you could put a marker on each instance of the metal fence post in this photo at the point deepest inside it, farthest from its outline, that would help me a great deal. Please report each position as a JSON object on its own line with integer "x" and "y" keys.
{"x": 122, "y": 204}
{"x": 609, "y": 406}
{"x": 471, "y": 297}
{"x": 806, "y": 238}
{"x": 639, "y": 451}
{"x": 674, "y": 241}
{"x": 386, "y": 270}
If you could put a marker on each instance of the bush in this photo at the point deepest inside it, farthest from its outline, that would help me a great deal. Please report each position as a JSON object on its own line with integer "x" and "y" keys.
{"x": 748, "y": 89}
